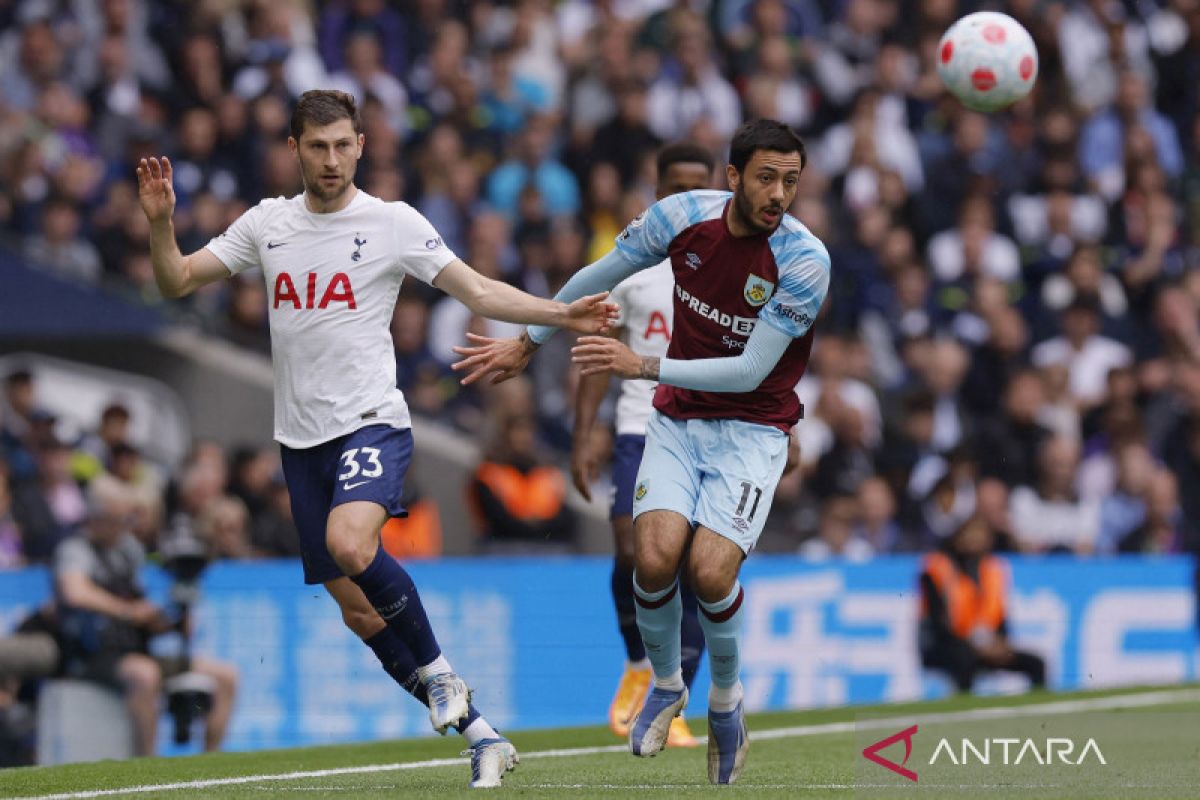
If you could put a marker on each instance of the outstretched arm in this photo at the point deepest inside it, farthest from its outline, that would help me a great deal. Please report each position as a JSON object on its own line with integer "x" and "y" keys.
{"x": 741, "y": 373}
{"x": 503, "y": 358}
{"x": 599, "y": 276}
{"x": 497, "y": 300}
{"x": 176, "y": 274}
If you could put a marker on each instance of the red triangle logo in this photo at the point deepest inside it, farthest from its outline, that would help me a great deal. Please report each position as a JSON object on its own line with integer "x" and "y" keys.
{"x": 872, "y": 753}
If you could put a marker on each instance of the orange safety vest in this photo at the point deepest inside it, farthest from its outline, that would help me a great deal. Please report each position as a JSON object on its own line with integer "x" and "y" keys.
{"x": 969, "y": 605}
{"x": 419, "y": 535}
{"x": 534, "y": 495}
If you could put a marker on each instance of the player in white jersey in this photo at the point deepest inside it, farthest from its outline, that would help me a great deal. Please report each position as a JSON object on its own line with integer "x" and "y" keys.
{"x": 334, "y": 258}
{"x": 645, "y": 325}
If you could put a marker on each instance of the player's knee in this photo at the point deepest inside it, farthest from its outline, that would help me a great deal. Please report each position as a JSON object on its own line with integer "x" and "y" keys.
{"x": 655, "y": 569}
{"x": 711, "y": 582}
{"x": 351, "y": 550}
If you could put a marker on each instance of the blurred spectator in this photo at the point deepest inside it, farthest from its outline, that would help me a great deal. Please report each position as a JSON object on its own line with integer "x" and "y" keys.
{"x": 1084, "y": 276}
{"x": 1008, "y": 444}
{"x": 273, "y": 531}
{"x": 877, "y": 524}
{"x": 510, "y": 99}
{"x": 1123, "y": 511}
{"x": 364, "y": 74}
{"x": 625, "y": 140}
{"x": 1049, "y": 516}
{"x": 340, "y": 20}
{"x": 60, "y": 248}
{"x": 1104, "y": 139}
{"x": 964, "y": 611}
{"x": 845, "y": 56}
{"x": 974, "y": 248}
{"x": 225, "y": 526}
{"x": 1160, "y": 533}
{"x": 37, "y": 59}
{"x": 51, "y": 506}
{"x": 837, "y": 536}
{"x": 691, "y": 89}
{"x": 1096, "y": 38}
{"x": 127, "y": 21}
{"x": 1086, "y": 354}
{"x": 106, "y": 621}
{"x": 519, "y": 499}
{"x": 111, "y": 432}
{"x": 533, "y": 165}
{"x": 995, "y": 363}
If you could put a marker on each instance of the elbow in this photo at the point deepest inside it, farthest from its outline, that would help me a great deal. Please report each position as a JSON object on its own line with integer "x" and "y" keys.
{"x": 749, "y": 381}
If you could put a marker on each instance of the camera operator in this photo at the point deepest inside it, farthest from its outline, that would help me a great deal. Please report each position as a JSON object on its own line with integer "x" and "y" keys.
{"x": 106, "y": 620}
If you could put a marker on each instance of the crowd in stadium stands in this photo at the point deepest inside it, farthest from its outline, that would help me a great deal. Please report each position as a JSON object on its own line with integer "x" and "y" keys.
{"x": 1013, "y": 327}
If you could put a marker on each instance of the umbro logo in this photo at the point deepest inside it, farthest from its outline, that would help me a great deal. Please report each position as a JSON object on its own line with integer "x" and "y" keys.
{"x": 693, "y": 260}
{"x": 273, "y": 245}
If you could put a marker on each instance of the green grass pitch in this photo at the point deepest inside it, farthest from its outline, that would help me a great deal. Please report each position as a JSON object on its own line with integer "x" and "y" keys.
{"x": 792, "y": 755}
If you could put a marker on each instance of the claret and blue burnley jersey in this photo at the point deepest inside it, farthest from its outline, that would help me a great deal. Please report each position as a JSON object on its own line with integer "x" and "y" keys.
{"x": 724, "y": 286}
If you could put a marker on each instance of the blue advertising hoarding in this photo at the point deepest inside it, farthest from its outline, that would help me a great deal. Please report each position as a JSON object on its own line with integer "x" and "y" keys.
{"x": 537, "y": 638}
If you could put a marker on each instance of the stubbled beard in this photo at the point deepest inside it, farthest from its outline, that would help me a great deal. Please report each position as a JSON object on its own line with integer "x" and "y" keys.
{"x": 318, "y": 191}
{"x": 745, "y": 209}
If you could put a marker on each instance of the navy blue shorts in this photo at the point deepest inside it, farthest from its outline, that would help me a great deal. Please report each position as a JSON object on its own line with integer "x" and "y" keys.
{"x": 368, "y": 464}
{"x": 627, "y": 455}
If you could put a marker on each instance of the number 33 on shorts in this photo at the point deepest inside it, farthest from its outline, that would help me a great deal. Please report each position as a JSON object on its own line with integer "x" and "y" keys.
{"x": 359, "y": 462}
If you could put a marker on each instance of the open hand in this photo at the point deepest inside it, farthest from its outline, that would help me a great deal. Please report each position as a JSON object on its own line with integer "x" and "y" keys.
{"x": 596, "y": 354}
{"x": 591, "y": 314}
{"x": 500, "y": 358}
{"x": 155, "y": 190}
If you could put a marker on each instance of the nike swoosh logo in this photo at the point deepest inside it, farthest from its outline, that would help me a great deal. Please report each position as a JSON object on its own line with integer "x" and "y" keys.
{"x": 273, "y": 245}
{"x": 348, "y": 486}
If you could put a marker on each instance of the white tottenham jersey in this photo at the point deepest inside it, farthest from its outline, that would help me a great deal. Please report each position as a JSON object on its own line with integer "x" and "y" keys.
{"x": 645, "y": 299}
{"x": 332, "y": 281}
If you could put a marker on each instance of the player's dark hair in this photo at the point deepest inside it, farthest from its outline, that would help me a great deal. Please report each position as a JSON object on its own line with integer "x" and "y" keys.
{"x": 683, "y": 153}
{"x": 764, "y": 134}
{"x": 324, "y": 107}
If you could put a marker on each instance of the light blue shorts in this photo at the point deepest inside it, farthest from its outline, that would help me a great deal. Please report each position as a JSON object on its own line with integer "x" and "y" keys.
{"x": 719, "y": 473}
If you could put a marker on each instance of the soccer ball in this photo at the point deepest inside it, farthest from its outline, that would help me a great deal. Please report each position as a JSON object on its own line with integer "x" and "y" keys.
{"x": 987, "y": 60}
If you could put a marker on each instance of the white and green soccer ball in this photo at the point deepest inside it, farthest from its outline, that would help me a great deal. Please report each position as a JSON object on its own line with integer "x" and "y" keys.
{"x": 987, "y": 60}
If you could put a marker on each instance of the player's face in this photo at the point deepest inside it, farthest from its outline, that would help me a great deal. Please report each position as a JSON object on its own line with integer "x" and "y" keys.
{"x": 682, "y": 176}
{"x": 765, "y": 188}
{"x": 328, "y": 157}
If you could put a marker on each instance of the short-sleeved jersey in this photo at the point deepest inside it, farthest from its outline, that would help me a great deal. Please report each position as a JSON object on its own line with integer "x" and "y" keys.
{"x": 332, "y": 282}
{"x": 645, "y": 318}
{"x": 724, "y": 286}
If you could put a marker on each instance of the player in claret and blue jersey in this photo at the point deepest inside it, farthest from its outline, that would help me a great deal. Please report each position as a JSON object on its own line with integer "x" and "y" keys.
{"x": 334, "y": 258}
{"x": 749, "y": 282}
{"x": 645, "y": 325}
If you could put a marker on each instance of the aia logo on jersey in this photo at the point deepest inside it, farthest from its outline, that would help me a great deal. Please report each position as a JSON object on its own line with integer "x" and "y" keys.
{"x": 338, "y": 290}
{"x": 357, "y": 254}
{"x": 758, "y": 290}
{"x": 657, "y": 326}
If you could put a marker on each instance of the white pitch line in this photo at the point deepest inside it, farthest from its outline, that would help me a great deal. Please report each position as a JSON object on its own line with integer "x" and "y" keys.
{"x": 1053, "y": 708}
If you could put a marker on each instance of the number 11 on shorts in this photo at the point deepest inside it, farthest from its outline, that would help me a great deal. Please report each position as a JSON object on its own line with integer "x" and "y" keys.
{"x": 746, "y": 487}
